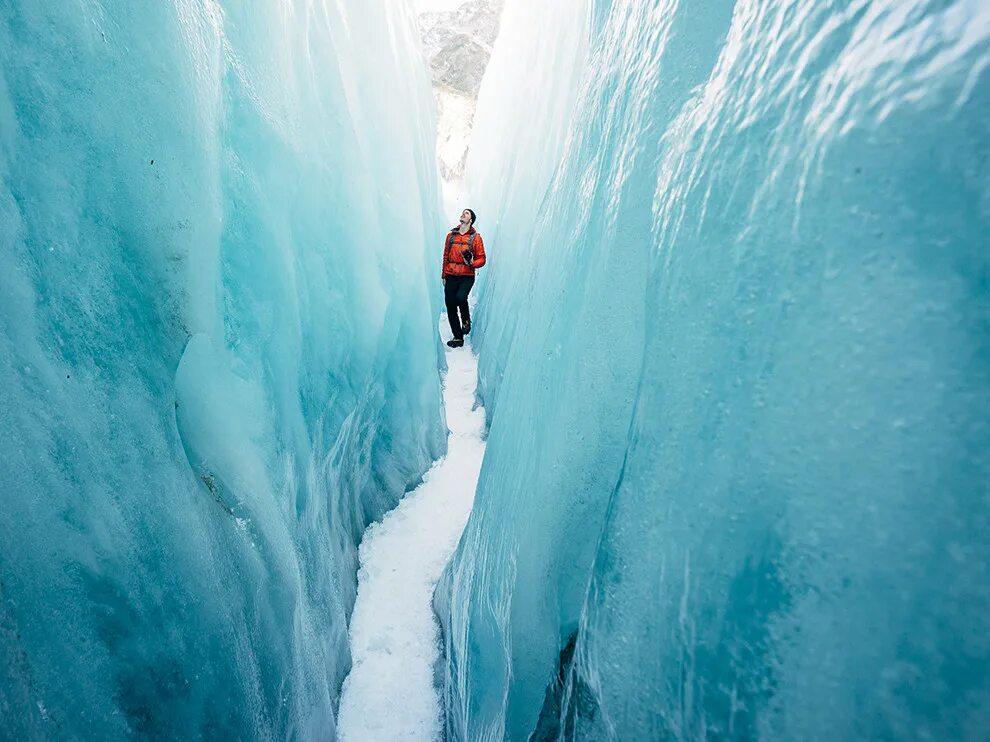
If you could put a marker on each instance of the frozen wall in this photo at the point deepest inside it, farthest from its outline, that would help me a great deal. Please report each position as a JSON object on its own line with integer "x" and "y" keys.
{"x": 734, "y": 346}
{"x": 218, "y": 359}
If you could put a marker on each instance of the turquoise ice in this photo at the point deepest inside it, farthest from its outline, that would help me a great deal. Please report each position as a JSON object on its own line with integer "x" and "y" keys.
{"x": 734, "y": 347}
{"x": 734, "y": 356}
{"x": 218, "y": 358}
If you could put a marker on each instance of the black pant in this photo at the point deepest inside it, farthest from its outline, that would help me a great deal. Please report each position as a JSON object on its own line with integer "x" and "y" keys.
{"x": 455, "y": 294}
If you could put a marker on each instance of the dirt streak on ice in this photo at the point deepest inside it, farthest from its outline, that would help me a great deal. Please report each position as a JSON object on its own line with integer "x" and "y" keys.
{"x": 395, "y": 640}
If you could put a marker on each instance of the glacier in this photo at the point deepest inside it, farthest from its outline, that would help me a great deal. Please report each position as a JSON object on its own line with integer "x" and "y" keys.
{"x": 734, "y": 354}
{"x": 218, "y": 354}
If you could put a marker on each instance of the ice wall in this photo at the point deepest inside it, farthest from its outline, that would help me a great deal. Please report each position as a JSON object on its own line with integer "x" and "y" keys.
{"x": 218, "y": 357}
{"x": 734, "y": 346}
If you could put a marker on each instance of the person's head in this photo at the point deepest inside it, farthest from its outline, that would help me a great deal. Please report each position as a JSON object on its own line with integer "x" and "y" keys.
{"x": 468, "y": 218}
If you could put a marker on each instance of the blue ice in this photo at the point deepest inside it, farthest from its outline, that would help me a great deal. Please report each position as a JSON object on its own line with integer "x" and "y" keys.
{"x": 218, "y": 358}
{"x": 734, "y": 348}
{"x": 733, "y": 352}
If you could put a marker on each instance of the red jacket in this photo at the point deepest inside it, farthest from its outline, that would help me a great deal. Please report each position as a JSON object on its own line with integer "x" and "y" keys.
{"x": 453, "y": 253}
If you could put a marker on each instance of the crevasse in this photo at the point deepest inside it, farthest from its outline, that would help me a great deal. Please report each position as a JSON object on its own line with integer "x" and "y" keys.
{"x": 218, "y": 358}
{"x": 734, "y": 351}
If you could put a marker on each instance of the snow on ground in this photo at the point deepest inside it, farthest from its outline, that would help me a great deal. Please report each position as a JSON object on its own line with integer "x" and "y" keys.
{"x": 395, "y": 640}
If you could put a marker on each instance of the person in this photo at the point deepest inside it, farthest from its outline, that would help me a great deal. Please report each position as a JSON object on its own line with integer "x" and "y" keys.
{"x": 463, "y": 254}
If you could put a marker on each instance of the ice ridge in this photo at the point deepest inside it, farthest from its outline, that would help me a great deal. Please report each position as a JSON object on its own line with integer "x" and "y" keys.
{"x": 733, "y": 349}
{"x": 218, "y": 358}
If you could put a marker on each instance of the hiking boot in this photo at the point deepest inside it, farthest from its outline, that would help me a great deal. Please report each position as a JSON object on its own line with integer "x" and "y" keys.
{"x": 455, "y": 343}
{"x": 466, "y": 326}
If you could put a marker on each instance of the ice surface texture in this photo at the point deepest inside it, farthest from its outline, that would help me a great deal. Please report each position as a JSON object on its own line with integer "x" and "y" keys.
{"x": 734, "y": 342}
{"x": 218, "y": 358}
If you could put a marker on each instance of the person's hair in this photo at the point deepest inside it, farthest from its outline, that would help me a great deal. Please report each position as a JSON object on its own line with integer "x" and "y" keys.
{"x": 474, "y": 218}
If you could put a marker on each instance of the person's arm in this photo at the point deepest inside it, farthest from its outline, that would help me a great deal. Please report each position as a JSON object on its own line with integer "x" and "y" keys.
{"x": 443, "y": 261}
{"x": 479, "y": 252}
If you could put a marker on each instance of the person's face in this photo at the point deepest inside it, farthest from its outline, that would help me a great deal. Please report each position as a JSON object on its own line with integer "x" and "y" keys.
{"x": 465, "y": 217}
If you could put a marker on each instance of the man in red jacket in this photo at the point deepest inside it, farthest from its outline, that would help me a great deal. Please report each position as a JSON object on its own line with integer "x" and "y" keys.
{"x": 463, "y": 254}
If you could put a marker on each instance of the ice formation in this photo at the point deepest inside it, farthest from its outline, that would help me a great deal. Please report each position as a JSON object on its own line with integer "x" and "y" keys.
{"x": 734, "y": 351}
{"x": 218, "y": 356}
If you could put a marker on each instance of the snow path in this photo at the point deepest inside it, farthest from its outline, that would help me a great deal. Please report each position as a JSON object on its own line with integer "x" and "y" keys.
{"x": 389, "y": 694}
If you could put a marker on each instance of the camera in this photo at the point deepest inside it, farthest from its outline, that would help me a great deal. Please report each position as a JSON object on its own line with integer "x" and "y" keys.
{"x": 468, "y": 256}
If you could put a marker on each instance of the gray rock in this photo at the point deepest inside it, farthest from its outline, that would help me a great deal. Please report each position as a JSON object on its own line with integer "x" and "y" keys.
{"x": 458, "y": 43}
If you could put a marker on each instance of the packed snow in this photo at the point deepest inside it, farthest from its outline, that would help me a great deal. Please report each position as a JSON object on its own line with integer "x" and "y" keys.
{"x": 395, "y": 639}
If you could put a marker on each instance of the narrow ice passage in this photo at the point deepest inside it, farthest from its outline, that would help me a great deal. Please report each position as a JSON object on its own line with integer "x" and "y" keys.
{"x": 394, "y": 637}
